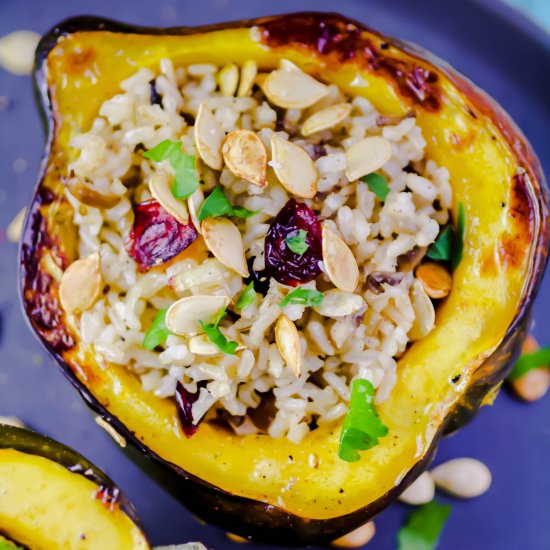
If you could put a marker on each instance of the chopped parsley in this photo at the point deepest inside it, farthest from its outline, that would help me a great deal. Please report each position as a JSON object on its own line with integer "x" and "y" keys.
{"x": 377, "y": 184}
{"x": 303, "y": 297}
{"x": 423, "y": 527}
{"x": 158, "y": 331}
{"x": 185, "y": 180}
{"x": 362, "y": 425}
{"x": 460, "y": 236}
{"x": 246, "y": 297}
{"x": 449, "y": 245}
{"x": 441, "y": 249}
{"x": 214, "y": 334}
{"x": 7, "y": 545}
{"x": 217, "y": 204}
{"x": 297, "y": 242}
{"x": 529, "y": 361}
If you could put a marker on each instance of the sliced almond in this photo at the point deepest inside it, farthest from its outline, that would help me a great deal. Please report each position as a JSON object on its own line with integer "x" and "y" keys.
{"x": 208, "y": 137}
{"x": 15, "y": 228}
{"x": 325, "y": 118}
{"x": 293, "y": 168}
{"x": 337, "y": 303}
{"x": 245, "y": 155}
{"x": 81, "y": 284}
{"x": 287, "y": 65}
{"x": 249, "y": 70}
{"x": 183, "y": 316}
{"x": 424, "y": 312}
{"x": 356, "y": 538}
{"x": 340, "y": 263}
{"x": 293, "y": 89}
{"x": 228, "y": 79}
{"x": 224, "y": 240}
{"x": 288, "y": 342}
{"x": 161, "y": 190}
{"x": 367, "y": 156}
{"x": 194, "y": 202}
{"x": 435, "y": 279}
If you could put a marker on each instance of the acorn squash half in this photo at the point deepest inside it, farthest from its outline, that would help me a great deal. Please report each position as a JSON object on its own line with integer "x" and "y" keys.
{"x": 52, "y": 497}
{"x": 254, "y": 485}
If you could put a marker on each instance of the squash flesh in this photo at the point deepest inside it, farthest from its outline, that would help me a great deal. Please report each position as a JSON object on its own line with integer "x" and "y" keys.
{"x": 487, "y": 287}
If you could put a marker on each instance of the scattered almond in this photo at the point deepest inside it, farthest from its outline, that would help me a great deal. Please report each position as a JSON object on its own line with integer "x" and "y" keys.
{"x": 359, "y": 537}
{"x": 249, "y": 70}
{"x": 292, "y": 89}
{"x": 111, "y": 431}
{"x": 194, "y": 202}
{"x": 17, "y": 51}
{"x": 326, "y": 118}
{"x": 288, "y": 342}
{"x": 534, "y": 384}
{"x": 340, "y": 263}
{"x": 463, "y": 477}
{"x": 435, "y": 279}
{"x": 424, "y": 312}
{"x": 184, "y": 315}
{"x": 161, "y": 190}
{"x": 421, "y": 491}
{"x": 208, "y": 137}
{"x": 81, "y": 284}
{"x": 15, "y": 228}
{"x": 367, "y": 156}
{"x": 245, "y": 155}
{"x": 224, "y": 240}
{"x": 228, "y": 79}
{"x": 294, "y": 168}
{"x": 338, "y": 303}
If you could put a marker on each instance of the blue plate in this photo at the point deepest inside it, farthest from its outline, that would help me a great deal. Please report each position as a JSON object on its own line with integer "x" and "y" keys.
{"x": 493, "y": 45}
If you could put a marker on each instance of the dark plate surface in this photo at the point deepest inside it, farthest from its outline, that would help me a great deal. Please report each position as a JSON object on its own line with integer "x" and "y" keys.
{"x": 500, "y": 51}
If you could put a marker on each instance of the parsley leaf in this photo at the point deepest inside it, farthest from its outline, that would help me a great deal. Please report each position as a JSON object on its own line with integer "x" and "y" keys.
{"x": 185, "y": 181}
{"x": 158, "y": 331}
{"x": 449, "y": 244}
{"x": 377, "y": 184}
{"x": 460, "y": 235}
{"x": 8, "y": 545}
{"x": 422, "y": 529}
{"x": 246, "y": 297}
{"x": 214, "y": 334}
{"x": 529, "y": 361}
{"x": 297, "y": 242}
{"x": 441, "y": 249}
{"x": 362, "y": 426}
{"x": 304, "y": 297}
{"x": 217, "y": 204}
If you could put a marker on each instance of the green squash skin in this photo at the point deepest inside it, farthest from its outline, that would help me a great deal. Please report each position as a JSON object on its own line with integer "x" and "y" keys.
{"x": 243, "y": 516}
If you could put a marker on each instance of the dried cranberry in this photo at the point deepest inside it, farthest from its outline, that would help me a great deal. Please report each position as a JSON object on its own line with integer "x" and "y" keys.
{"x": 281, "y": 263}
{"x": 157, "y": 236}
{"x": 184, "y": 404}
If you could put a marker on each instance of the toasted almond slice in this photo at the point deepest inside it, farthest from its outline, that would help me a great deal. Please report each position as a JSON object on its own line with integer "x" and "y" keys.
{"x": 325, "y": 118}
{"x": 367, "y": 156}
{"x": 339, "y": 261}
{"x": 294, "y": 168}
{"x": 161, "y": 190}
{"x": 424, "y": 313}
{"x": 228, "y": 79}
{"x": 194, "y": 202}
{"x": 288, "y": 342}
{"x": 208, "y": 137}
{"x": 224, "y": 240}
{"x": 287, "y": 65}
{"x": 337, "y": 303}
{"x": 81, "y": 284}
{"x": 183, "y": 316}
{"x": 293, "y": 89}
{"x": 249, "y": 70}
{"x": 245, "y": 155}
{"x": 435, "y": 279}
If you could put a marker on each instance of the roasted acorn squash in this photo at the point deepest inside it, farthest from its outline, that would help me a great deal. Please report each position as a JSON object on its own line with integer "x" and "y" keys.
{"x": 52, "y": 497}
{"x": 254, "y": 485}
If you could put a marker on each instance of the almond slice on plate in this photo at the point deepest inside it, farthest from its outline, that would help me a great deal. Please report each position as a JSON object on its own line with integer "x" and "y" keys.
{"x": 224, "y": 240}
{"x": 208, "y": 137}
{"x": 161, "y": 190}
{"x": 325, "y": 118}
{"x": 288, "y": 342}
{"x": 367, "y": 156}
{"x": 340, "y": 263}
{"x": 293, "y": 168}
{"x": 245, "y": 155}
{"x": 183, "y": 316}
{"x": 249, "y": 70}
{"x": 292, "y": 89}
{"x": 228, "y": 79}
{"x": 81, "y": 284}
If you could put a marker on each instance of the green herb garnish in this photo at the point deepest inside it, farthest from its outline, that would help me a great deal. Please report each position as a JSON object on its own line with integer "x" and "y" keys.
{"x": 460, "y": 236}
{"x": 217, "y": 204}
{"x": 377, "y": 184}
{"x": 8, "y": 545}
{"x": 441, "y": 249}
{"x": 185, "y": 181}
{"x": 422, "y": 529}
{"x": 303, "y": 297}
{"x": 158, "y": 332}
{"x": 297, "y": 242}
{"x": 246, "y": 297}
{"x": 362, "y": 426}
{"x": 530, "y": 361}
{"x": 449, "y": 244}
{"x": 214, "y": 334}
